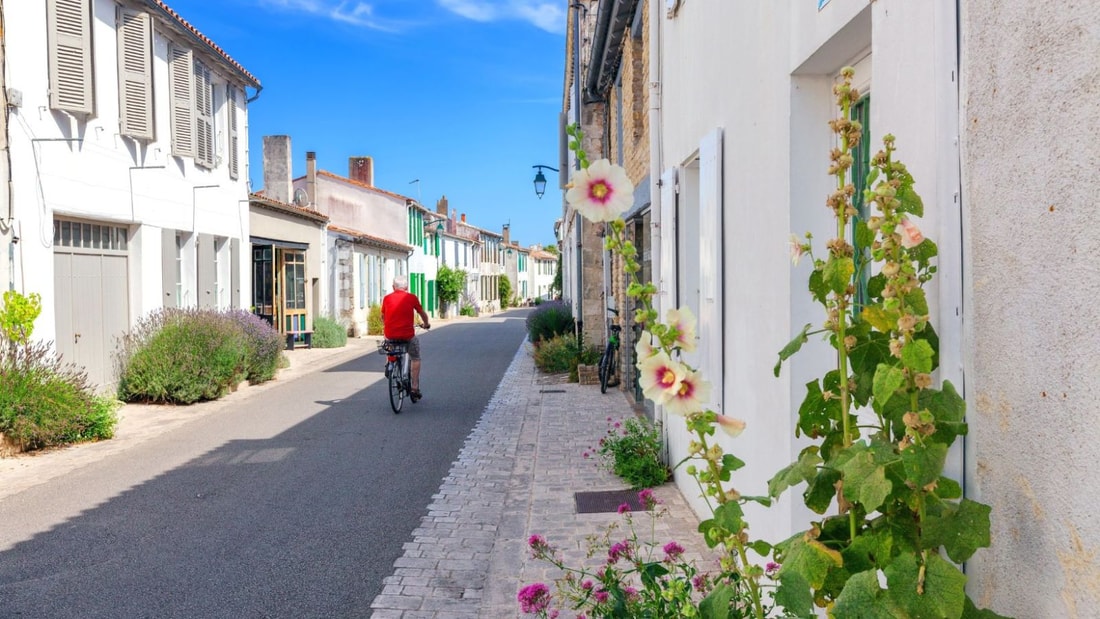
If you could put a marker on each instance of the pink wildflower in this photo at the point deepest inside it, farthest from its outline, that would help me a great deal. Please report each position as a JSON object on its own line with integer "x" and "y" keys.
{"x": 624, "y": 508}
{"x": 534, "y": 598}
{"x": 601, "y": 596}
{"x": 619, "y": 550}
{"x": 587, "y": 585}
{"x": 673, "y": 551}
{"x": 648, "y": 499}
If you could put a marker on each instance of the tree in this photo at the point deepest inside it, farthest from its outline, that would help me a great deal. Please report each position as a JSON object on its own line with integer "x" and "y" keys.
{"x": 504, "y": 287}
{"x": 451, "y": 283}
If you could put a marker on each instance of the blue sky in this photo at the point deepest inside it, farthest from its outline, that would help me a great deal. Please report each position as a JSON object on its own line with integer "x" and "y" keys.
{"x": 461, "y": 94}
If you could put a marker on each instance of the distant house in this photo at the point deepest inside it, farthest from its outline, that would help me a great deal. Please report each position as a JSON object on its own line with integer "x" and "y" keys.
{"x": 288, "y": 247}
{"x": 459, "y": 252}
{"x": 128, "y": 169}
{"x": 367, "y": 238}
{"x": 425, "y": 242}
{"x": 543, "y": 269}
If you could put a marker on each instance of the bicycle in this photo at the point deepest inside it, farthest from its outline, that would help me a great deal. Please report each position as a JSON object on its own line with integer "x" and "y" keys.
{"x": 609, "y": 361}
{"x": 397, "y": 371}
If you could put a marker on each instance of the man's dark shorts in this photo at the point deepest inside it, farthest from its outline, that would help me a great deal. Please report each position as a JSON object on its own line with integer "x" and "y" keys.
{"x": 414, "y": 348}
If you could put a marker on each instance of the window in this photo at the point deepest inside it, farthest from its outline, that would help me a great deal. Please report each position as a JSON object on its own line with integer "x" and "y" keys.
{"x": 180, "y": 240}
{"x": 232, "y": 102}
{"x": 69, "y": 32}
{"x": 362, "y": 281}
{"x": 135, "y": 74}
{"x": 204, "y": 117}
{"x": 182, "y": 94}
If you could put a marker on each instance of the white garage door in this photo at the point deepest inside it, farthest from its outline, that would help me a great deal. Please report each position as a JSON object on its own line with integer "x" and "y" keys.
{"x": 92, "y": 291}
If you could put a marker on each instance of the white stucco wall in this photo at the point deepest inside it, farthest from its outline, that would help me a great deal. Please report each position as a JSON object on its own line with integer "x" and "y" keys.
{"x": 360, "y": 209}
{"x": 1031, "y": 117}
{"x": 82, "y": 168}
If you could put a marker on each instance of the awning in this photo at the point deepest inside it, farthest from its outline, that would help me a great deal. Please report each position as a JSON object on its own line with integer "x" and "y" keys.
{"x": 259, "y": 240}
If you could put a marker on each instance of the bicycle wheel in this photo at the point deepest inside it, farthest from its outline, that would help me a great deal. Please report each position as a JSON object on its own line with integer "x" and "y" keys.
{"x": 397, "y": 390}
{"x": 606, "y": 362}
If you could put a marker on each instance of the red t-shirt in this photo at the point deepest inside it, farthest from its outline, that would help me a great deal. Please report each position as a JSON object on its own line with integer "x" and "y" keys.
{"x": 398, "y": 308}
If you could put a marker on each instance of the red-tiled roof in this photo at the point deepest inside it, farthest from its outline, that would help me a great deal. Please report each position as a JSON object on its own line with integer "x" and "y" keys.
{"x": 218, "y": 51}
{"x": 261, "y": 200}
{"x": 363, "y": 185}
{"x": 369, "y": 238}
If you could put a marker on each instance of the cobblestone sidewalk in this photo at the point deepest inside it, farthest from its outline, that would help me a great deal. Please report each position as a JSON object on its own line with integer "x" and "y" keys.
{"x": 516, "y": 476}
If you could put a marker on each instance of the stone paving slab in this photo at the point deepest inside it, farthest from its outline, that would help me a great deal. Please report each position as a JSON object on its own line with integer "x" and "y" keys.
{"x": 515, "y": 477}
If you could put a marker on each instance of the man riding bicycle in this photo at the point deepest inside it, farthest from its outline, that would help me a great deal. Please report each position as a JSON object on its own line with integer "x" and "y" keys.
{"x": 398, "y": 323}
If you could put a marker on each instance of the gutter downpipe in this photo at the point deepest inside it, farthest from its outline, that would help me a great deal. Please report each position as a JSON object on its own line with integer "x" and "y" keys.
{"x": 579, "y": 227}
{"x": 655, "y": 167}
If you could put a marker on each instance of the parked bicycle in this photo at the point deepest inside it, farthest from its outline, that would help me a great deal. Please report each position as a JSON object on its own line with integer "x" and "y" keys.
{"x": 397, "y": 371}
{"x": 609, "y": 362}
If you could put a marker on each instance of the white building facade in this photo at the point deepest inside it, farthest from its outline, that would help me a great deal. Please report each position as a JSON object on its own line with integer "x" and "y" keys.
{"x": 127, "y": 134}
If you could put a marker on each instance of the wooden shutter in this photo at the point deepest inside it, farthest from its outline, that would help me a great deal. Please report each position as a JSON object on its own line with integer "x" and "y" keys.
{"x": 231, "y": 108}
{"x": 711, "y": 337}
{"x": 204, "y": 117}
{"x": 69, "y": 24}
{"x": 181, "y": 89}
{"x": 135, "y": 74}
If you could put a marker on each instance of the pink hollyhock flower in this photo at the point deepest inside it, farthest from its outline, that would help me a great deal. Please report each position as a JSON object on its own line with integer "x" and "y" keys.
{"x": 644, "y": 347}
{"x": 660, "y": 377}
{"x": 534, "y": 598}
{"x": 601, "y": 192}
{"x": 910, "y": 234}
{"x": 731, "y": 425}
{"x": 691, "y": 396}
{"x": 684, "y": 322}
{"x": 798, "y": 249}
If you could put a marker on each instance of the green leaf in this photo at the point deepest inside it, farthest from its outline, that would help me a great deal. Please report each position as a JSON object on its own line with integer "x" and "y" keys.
{"x": 730, "y": 517}
{"x": 924, "y": 463}
{"x": 761, "y": 547}
{"x": 766, "y": 501}
{"x": 947, "y": 488}
{"x": 944, "y": 586}
{"x": 731, "y": 462}
{"x": 910, "y": 201}
{"x": 888, "y": 379}
{"x": 821, "y": 490}
{"x": 917, "y": 356}
{"x": 916, "y": 302}
{"x": 865, "y": 237}
{"x": 717, "y": 604}
{"x": 816, "y": 414}
{"x": 818, "y": 287}
{"x": 793, "y": 594}
{"x": 792, "y": 347}
{"x": 864, "y": 479}
{"x": 860, "y": 598}
{"x": 961, "y": 530}
{"x": 949, "y": 410}
{"x": 879, "y": 318}
{"x": 970, "y": 611}
{"x": 838, "y": 273}
{"x": 869, "y": 550}
{"x": 811, "y": 559}
{"x": 796, "y": 472}
{"x": 924, "y": 252}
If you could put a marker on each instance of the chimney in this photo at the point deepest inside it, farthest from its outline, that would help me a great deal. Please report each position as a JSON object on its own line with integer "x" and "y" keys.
{"x": 361, "y": 170}
{"x": 277, "y": 168}
{"x": 506, "y": 226}
{"x": 441, "y": 206}
{"x": 311, "y": 176}
{"x": 464, "y": 218}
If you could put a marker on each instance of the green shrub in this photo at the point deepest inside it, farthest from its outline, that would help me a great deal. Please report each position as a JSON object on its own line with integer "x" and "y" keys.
{"x": 504, "y": 291}
{"x": 183, "y": 356}
{"x": 632, "y": 450}
{"x": 558, "y": 354}
{"x": 467, "y": 310}
{"x": 45, "y": 402}
{"x": 451, "y": 283}
{"x": 263, "y": 346}
{"x": 327, "y": 333}
{"x": 374, "y": 320}
{"x": 549, "y": 320}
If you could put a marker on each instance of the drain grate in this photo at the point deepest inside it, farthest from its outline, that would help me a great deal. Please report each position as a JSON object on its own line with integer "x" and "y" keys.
{"x": 606, "y": 501}
{"x": 551, "y": 390}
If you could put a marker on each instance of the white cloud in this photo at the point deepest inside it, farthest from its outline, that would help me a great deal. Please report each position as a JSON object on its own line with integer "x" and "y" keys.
{"x": 543, "y": 14}
{"x": 347, "y": 11}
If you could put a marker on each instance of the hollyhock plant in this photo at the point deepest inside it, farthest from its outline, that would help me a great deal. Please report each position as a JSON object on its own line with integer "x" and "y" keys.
{"x": 690, "y": 396}
{"x": 601, "y": 192}
{"x": 683, "y": 321}
{"x": 660, "y": 377}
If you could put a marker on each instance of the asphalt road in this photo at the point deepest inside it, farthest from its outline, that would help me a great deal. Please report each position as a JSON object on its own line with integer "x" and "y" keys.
{"x": 293, "y": 504}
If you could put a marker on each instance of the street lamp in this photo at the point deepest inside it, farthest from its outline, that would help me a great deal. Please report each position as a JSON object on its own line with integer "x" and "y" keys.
{"x": 540, "y": 179}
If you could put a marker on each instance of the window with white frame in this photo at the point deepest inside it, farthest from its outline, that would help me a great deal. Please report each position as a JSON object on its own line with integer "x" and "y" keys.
{"x": 69, "y": 48}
